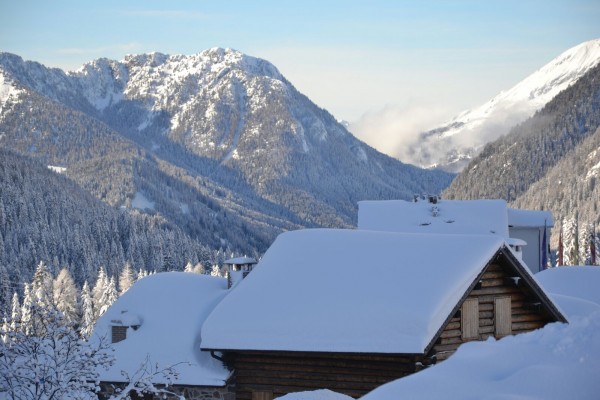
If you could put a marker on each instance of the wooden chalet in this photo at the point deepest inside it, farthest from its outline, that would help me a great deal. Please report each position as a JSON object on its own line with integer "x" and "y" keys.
{"x": 349, "y": 310}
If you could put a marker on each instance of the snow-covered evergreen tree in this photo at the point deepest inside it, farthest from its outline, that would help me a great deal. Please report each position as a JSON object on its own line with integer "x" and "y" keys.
{"x": 15, "y": 315}
{"x": 216, "y": 271}
{"x": 5, "y": 330}
{"x": 188, "y": 267}
{"x": 587, "y": 244}
{"x": 99, "y": 290}
{"x": 42, "y": 286}
{"x": 199, "y": 268}
{"x": 126, "y": 278}
{"x": 142, "y": 273}
{"x": 66, "y": 296}
{"x": 87, "y": 312}
{"x": 27, "y": 311}
{"x": 108, "y": 297}
{"x": 571, "y": 241}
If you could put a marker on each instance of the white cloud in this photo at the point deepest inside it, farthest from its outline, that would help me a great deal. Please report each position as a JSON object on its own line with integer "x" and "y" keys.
{"x": 394, "y": 130}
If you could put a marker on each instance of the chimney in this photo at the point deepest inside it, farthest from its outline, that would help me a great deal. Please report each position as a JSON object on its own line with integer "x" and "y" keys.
{"x": 237, "y": 269}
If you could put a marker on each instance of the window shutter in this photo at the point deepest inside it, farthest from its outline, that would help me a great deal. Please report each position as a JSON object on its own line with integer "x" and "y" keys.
{"x": 470, "y": 319}
{"x": 262, "y": 395}
{"x": 503, "y": 316}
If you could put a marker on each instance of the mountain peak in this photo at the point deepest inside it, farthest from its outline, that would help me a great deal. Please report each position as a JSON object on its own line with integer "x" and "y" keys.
{"x": 465, "y": 135}
{"x": 218, "y": 141}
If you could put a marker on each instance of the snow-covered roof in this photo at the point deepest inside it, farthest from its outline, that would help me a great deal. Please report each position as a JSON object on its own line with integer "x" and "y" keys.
{"x": 349, "y": 291}
{"x": 240, "y": 260}
{"x": 529, "y": 218}
{"x": 559, "y": 361}
{"x": 172, "y": 307}
{"x": 574, "y": 289}
{"x": 477, "y": 217}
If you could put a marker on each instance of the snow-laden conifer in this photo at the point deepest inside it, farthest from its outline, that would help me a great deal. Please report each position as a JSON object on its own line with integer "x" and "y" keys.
{"x": 571, "y": 241}
{"x": 188, "y": 267}
{"x": 126, "y": 278}
{"x": 66, "y": 296}
{"x": 15, "y": 315}
{"x": 99, "y": 290}
{"x": 216, "y": 271}
{"x": 27, "y": 311}
{"x": 41, "y": 286}
{"x": 108, "y": 296}
{"x": 4, "y": 330}
{"x": 87, "y": 310}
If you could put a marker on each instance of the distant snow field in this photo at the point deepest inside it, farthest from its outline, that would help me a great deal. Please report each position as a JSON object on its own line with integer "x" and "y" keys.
{"x": 141, "y": 202}
{"x": 7, "y": 90}
{"x": 58, "y": 170}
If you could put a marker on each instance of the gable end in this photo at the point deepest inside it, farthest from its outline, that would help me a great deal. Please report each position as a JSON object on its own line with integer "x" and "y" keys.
{"x": 503, "y": 299}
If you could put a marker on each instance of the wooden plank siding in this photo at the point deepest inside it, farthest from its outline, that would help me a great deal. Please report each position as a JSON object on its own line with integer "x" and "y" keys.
{"x": 285, "y": 372}
{"x": 496, "y": 283}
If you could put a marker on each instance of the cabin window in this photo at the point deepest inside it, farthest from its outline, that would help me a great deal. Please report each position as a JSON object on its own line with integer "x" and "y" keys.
{"x": 503, "y": 314}
{"x": 119, "y": 333}
{"x": 262, "y": 395}
{"x": 470, "y": 319}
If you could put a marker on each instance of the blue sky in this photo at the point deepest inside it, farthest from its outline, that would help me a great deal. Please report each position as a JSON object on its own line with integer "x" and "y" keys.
{"x": 350, "y": 57}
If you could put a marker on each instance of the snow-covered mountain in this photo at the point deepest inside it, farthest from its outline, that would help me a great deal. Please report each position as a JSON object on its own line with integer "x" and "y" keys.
{"x": 548, "y": 162}
{"x": 452, "y": 145}
{"x": 217, "y": 142}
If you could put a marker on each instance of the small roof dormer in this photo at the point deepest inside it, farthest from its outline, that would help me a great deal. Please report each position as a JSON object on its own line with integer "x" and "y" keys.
{"x": 119, "y": 325}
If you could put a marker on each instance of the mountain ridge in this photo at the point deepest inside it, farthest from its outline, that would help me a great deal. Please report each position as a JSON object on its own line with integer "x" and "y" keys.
{"x": 550, "y": 161}
{"x": 453, "y": 144}
{"x": 218, "y": 126}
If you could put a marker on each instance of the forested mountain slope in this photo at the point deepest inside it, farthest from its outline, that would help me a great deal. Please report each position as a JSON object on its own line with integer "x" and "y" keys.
{"x": 571, "y": 186}
{"x": 219, "y": 143}
{"x": 116, "y": 170}
{"x": 45, "y": 216}
{"x": 508, "y": 167}
{"x": 452, "y": 145}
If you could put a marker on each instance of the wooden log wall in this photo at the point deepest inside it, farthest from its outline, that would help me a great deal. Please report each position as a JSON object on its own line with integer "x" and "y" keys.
{"x": 286, "y": 372}
{"x": 497, "y": 281}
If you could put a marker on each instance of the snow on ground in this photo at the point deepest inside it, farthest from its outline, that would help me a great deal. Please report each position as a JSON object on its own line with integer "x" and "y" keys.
{"x": 171, "y": 307}
{"x": 559, "y": 361}
{"x": 58, "y": 170}
{"x": 7, "y": 90}
{"x": 141, "y": 202}
{"x": 322, "y": 394}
